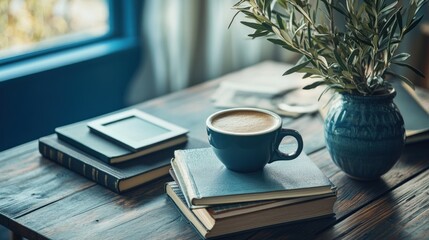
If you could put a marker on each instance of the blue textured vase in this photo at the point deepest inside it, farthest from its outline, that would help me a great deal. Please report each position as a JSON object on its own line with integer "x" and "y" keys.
{"x": 365, "y": 135}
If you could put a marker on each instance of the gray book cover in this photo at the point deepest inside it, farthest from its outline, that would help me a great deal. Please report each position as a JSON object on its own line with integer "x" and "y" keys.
{"x": 206, "y": 181}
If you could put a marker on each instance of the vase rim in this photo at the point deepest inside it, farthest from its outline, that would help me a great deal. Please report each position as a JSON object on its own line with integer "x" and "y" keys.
{"x": 389, "y": 95}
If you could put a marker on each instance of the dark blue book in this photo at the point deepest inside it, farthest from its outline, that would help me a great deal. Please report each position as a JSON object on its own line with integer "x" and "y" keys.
{"x": 205, "y": 181}
{"x": 119, "y": 177}
{"x": 80, "y": 136}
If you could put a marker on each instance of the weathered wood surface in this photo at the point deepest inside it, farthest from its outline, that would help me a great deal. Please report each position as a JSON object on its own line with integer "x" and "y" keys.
{"x": 40, "y": 199}
{"x": 402, "y": 213}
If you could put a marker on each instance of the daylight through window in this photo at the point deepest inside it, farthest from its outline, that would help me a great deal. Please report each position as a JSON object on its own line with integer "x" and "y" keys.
{"x": 31, "y": 25}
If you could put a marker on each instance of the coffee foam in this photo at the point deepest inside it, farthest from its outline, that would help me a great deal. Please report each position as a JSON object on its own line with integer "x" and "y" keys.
{"x": 244, "y": 121}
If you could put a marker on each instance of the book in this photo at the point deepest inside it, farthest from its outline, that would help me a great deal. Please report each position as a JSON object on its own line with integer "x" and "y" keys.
{"x": 416, "y": 118}
{"x": 233, "y": 209}
{"x": 204, "y": 180}
{"x": 80, "y": 136}
{"x": 209, "y": 223}
{"x": 137, "y": 130}
{"x": 118, "y": 178}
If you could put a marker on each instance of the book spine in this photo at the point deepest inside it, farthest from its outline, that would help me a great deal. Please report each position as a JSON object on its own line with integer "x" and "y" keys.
{"x": 181, "y": 183}
{"x": 185, "y": 179}
{"x": 84, "y": 148}
{"x": 76, "y": 165}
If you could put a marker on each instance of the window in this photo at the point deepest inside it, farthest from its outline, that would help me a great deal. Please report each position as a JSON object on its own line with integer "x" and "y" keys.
{"x": 63, "y": 61}
{"x": 32, "y": 26}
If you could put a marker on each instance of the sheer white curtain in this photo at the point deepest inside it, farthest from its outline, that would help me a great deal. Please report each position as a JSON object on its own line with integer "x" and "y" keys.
{"x": 188, "y": 42}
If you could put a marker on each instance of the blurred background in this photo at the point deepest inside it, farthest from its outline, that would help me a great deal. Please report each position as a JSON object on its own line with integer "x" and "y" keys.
{"x": 63, "y": 61}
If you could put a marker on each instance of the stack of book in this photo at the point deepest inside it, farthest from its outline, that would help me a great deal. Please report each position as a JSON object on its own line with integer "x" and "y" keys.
{"x": 119, "y": 151}
{"x": 217, "y": 201}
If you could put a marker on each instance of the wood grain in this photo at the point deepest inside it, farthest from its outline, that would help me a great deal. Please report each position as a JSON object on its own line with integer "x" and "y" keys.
{"x": 40, "y": 199}
{"x": 354, "y": 195}
{"x": 399, "y": 214}
{"x": 29, "y": 182}
{"x": 98, "y": 205}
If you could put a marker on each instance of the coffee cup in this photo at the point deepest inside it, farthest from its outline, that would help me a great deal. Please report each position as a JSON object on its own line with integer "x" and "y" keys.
{"x": 246, "y": 139}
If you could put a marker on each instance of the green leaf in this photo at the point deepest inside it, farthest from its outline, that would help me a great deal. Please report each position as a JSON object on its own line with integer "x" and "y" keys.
{"x": 401, "y": 57}
{"x": 351, "y": 59}
{"x": 399, "y": 17}
{"x": 339, "y": 10}
{"x": 411, "y": 10}
{"x": 413, "y": 25}
{"x": 402, "y": 78}
{"x": 280, "y": 21}
{"x": 415, "y": 70}
{"x": 324, "y": 91}
{"x": 307, "y": 75}
{"x": 239, "y": 3}
{"x": 302, "y": 11}
{"x": 291, "y": 48}
{"x": 256, "y": 26}
{"x": 310, "y": 42}
{"x": 393, "y": 30}
{"x": 299, "y": 28}
{"x": 258, "y": 34}
{"x": 232, "y": 20}
{"x": 389, "y": 22}
{"x": 267, "y": 8}
{"x": 279, "y": 13}
{"x": 339, "y": 60}
{"x": 291, "y": 21}
{"x": 276, "y": 41}
{"x": 361, "y": 39}
{"x": 316, "y": 8}
{"x": 389, "y": 7}
{"x": 309, "y": 70}
{"x": 314, "y": 85}
{"x": 296, "y": 67}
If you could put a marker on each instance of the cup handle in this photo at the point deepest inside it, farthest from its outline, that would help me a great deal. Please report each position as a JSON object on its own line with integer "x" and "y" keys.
{"x": 279, "y": 155}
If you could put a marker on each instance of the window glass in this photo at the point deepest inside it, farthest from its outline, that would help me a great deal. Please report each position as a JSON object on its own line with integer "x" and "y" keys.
{"x": 31, "y": 25}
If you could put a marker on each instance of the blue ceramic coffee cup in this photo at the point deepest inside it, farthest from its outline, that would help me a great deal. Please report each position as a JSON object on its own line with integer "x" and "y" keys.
{"x": 246, "y": 139}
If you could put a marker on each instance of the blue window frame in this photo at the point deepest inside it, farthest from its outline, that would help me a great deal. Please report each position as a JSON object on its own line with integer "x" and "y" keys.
{"x": 45, "y": 89}
{"x": 122, "y": 24}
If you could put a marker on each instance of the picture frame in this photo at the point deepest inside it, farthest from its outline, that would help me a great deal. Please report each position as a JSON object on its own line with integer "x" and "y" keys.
{"x": 136, "y": 130}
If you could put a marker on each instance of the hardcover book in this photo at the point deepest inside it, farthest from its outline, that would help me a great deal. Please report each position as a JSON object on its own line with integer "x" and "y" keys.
{"x": 80, "y": 136}
{"x": 119, "y": 177}
{"x": 204, "y": 180}
{"x": 234, "y": 209}
{"x": 212, "y": 222}
{"x": 416, "y": 118}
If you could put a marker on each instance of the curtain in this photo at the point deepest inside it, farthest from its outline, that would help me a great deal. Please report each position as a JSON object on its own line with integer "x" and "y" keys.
{"x": 188, "y": 42}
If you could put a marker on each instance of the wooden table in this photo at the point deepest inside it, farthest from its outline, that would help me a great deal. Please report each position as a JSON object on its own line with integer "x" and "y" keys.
{"x": 40, "y": 199}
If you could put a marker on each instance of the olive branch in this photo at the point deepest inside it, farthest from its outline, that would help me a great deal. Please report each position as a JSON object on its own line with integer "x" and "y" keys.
{"x": 352, "y": 55}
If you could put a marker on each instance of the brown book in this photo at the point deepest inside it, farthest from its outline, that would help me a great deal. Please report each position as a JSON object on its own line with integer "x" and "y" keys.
{"x": 220, "y": 220}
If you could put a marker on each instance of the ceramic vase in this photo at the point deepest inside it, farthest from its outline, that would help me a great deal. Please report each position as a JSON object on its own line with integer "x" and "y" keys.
{"x": 365, "y": 135}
